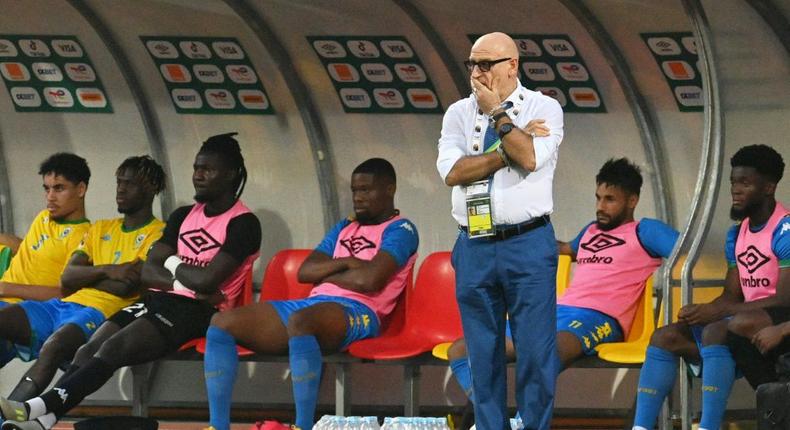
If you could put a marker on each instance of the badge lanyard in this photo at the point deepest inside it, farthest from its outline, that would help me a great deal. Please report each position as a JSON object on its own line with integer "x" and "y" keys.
{"x": 479, "y": 208}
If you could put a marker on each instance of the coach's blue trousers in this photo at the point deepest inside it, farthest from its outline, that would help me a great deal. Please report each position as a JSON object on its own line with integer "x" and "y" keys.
{"x": 516, "y": 276}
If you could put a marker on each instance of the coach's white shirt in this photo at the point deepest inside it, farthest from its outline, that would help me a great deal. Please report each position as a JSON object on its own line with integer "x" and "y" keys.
{"x": 517, "y": 195}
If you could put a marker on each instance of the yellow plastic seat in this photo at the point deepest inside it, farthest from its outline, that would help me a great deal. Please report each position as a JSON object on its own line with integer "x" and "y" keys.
{"x": 632, "y": 350}
{"x": 563, "y": 277}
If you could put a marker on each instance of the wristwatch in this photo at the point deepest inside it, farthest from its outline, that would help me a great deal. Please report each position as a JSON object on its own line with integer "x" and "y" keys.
{"x": 505, "y": 129}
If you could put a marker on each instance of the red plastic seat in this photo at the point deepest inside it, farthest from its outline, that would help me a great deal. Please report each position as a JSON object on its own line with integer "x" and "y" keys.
{"x": 279, "y": 283}
{"x": 280, "y": 279}
{"x": 432, "y": 316}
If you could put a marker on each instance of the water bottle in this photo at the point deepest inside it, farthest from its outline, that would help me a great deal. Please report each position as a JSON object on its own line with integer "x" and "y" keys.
{"x": 370, "y": 423}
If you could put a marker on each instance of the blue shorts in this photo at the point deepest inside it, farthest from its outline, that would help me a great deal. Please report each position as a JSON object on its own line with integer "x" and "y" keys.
{"x": 362, "y": 322}
{"x": 47, "y": 317}
{"x": 591, "y": 327}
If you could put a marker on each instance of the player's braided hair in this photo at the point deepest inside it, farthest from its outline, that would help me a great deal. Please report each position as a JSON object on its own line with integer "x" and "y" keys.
{"x": 229, "y": 150}
{"x": 621, "y": 173}
{"x": 70, "y": 166}
{"x": 145, "y": 169}
{"x": 762, "y": 158}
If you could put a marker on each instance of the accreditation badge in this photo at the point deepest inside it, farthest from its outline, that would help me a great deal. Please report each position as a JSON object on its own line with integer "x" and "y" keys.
{"x": 479, "y": 212}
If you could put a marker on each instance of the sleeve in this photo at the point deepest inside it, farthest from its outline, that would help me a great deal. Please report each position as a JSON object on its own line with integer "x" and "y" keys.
{"x": 780, "y": 242}
{"x": 452, "y": 142}
{"x": 243, "y": 237}
{"x": 173, "y": 226}
{"x": 154, "y": 235}
{"x": 729, "y": 245}
{"x": 656, "y": 237}
{"x": 328, "y": 243}
{"x": 574, "y": 244}
{"x": 546, "y": 147}
{"x": 400, "y": 239}
{"x": 86, "y": 244}
{"x": 73, "y": 243}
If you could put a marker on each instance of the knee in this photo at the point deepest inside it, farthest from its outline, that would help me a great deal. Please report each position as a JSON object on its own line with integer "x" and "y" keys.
{"x": 715, "y": 333}
{"x": 668, "y": 338}
{"x": 222, "y": 320}
{"x": 300, "y": 324}
{"x": 84, "y": 353}
{"x": 457, "y": 350}
{"x": 744, "y": 324}
{"x": 54, "y": 353}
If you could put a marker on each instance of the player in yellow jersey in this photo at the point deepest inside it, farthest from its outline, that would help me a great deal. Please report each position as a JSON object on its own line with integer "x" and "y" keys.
{"x": 102, "y": 276}
{"x": 34, "y": 272}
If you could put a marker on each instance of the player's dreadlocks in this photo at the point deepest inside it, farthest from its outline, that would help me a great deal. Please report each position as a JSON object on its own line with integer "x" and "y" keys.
{"x": 145, "y": 169}
{"x": 228, "y": 149}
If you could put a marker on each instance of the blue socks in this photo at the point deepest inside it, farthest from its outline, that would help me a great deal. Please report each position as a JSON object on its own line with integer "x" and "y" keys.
{"x": 463, "y": 375}
{"x": 718, "y": 374}
{"x": 220, "y": 365}
{"x": 655, "y": 382}
{"x": 305, "y": 358}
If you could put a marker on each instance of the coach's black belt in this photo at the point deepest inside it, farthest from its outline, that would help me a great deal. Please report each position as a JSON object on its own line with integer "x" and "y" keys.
{"x": 515, "y": 230}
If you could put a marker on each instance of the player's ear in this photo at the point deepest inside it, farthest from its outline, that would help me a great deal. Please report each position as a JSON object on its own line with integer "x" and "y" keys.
{"x": 633, "y": 200}
{"x": 82, "y": 188}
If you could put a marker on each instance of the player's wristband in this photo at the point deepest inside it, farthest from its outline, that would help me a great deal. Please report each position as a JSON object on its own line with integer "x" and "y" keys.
{"x": 178, "y": 286}
{"x": 172, "y": 263}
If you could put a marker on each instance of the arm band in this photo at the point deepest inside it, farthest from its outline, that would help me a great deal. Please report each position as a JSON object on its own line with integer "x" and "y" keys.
{"x": 172, "y": 264}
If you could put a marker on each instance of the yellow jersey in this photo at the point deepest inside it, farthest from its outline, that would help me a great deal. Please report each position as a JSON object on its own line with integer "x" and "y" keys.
{"x": 44, "y": 252}
{"x": 108, "y": 242}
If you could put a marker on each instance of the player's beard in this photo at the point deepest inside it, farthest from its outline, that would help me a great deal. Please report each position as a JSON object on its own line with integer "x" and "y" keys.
{"x": 614, "y": 222}
{"x": 744, "y": 212}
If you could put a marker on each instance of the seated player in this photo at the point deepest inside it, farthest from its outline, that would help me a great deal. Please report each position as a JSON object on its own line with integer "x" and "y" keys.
{"x": 35, "y": 269}
{"x": 615, "y": 255}
{"x": 204, "y": 257}
{"x": 102, "y": 277}
{"x": 359, "y": 270}
{"x": 757, "y": 338}
{"x": 758, "y": 257}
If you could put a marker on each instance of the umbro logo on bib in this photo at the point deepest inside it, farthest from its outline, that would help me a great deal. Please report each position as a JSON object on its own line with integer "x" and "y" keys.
{"x": 198, "y": 240}
{"x": 752, "y": 259}
{"x": 602, "y": 241}
{"x": 357, "y": 244}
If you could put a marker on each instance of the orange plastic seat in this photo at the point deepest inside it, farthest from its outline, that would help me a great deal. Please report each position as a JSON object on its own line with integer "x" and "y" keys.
{"x": 431, "y": 316}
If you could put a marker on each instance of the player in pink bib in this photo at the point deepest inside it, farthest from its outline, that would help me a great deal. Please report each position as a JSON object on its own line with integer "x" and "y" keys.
{"x": 199, "y": 265}
{"x": 758, "y": 255}
{"x": 359, "y": 270}
{"x": 615, "y": 255}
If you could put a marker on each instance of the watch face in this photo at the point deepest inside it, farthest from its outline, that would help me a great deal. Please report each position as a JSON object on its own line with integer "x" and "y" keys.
{"x": 505, "y": 129}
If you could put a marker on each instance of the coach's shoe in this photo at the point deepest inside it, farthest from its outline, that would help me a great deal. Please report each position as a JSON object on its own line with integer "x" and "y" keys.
{"x": 12, "y": 410}
{"x": 22, "y": 425}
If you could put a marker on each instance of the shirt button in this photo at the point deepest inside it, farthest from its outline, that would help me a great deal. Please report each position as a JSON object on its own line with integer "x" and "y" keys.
{"x": 479, "y": 111}
{"x": 477, "y": 128}
{"x": 515, "y": 112}
{"x": 475, "y": 147}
